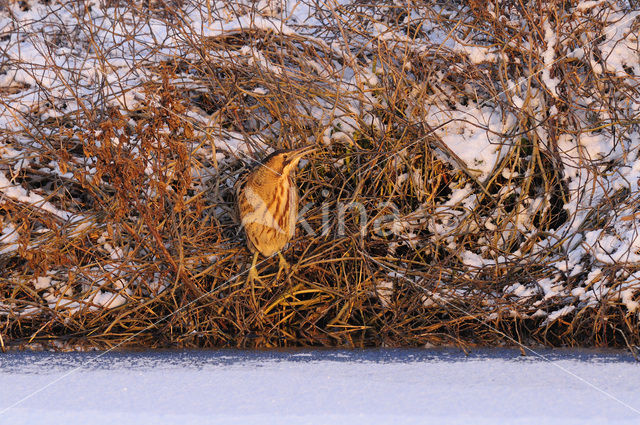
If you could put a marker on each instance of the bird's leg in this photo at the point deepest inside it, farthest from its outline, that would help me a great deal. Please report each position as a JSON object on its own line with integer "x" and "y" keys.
{"x": 253, "y": 273}
{"x": 283, "y": 265}
{"x": 252, "y": 277}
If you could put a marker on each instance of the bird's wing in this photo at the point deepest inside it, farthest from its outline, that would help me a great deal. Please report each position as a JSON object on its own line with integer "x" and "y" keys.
{"x": 238, "y": 187}
{"x": 254, "y": 209}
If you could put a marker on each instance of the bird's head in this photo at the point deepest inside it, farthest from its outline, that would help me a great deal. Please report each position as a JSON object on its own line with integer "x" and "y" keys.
{"x": 282, "y": 162}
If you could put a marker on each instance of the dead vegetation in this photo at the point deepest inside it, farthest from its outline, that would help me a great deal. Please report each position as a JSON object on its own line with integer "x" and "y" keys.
{"x": 116, "y": 210}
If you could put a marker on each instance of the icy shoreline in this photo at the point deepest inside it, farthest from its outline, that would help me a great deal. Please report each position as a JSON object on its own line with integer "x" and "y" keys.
{"x": 371, "y": 386}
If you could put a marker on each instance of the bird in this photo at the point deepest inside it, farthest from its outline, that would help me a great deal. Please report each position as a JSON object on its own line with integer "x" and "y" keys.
{"x": 267, "y": 205}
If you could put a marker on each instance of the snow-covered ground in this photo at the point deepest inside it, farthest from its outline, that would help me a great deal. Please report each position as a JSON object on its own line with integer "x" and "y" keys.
{"x": 320, "y": 387}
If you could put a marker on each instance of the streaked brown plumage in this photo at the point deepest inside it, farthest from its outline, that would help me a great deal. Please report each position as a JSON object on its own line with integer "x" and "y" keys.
{"x": 267, "y": 204}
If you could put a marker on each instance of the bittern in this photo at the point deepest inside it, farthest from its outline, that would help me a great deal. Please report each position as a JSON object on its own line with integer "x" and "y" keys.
{"x": 267, "y": 205}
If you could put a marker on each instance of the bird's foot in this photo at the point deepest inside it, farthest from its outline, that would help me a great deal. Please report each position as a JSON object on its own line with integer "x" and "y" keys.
{"x": 253, "y": 276}
{"x": 251, "y": 279}
{"x": 283, "y": 265}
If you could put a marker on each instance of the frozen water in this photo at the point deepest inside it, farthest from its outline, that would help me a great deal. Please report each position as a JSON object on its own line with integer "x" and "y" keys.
{"x": 320, "y": 387}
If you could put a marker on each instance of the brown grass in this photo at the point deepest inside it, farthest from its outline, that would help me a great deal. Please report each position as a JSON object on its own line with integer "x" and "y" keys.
{"x": 149, "y": 187}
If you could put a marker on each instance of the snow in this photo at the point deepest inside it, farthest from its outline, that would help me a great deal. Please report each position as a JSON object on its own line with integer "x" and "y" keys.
{"x": 548, "y": 56}
{"x": 19, "y": 194}
{"x": 627, "y": 299}
{"x": 42, "y": 282}
{"x": 471, "y": 259}
{"x": 8, "y": 237}
{"x": 320, "y": 387}
{"x": 477, "y": 54}
{"x": 473, "y": 135}
{"x": 620, "y": 47}
{"x": 559, "y": 313}
{"x": 384, "y": 292}
{"x": 586, "y": 5}
{"x": 243, "y": 23}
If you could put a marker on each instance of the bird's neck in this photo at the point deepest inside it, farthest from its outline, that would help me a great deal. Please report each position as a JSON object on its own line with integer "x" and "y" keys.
{"x": 268, "y": 178}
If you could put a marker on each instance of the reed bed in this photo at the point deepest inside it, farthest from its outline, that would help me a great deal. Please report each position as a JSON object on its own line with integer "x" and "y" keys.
{"x": 477, "y": 182}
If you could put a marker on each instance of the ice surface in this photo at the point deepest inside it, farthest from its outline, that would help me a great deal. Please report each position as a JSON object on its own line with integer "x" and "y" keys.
{"x": 114, "y": 49}
{"x": 320, "y": 387}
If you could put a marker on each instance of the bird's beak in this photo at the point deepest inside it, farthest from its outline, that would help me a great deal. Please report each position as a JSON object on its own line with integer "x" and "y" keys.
{"x": 299, "y": 153}
{"x": 305, "y": 150}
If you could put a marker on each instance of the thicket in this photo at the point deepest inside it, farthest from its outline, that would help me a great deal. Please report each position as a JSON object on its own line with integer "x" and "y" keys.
{"x": 493, "y": 146}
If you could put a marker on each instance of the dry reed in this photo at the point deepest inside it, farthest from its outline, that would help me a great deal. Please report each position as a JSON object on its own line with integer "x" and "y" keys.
{"x": 134, "y": 244}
